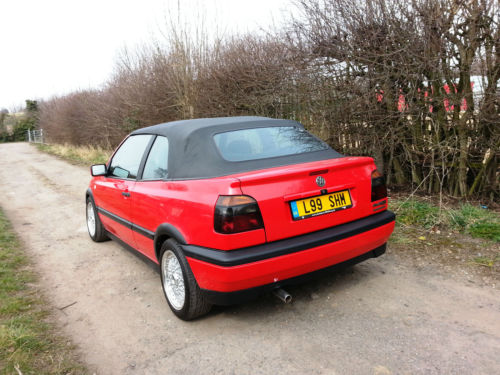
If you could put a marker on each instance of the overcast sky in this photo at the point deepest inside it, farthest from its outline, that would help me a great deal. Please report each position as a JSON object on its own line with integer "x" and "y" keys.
{"x": 51, "y": 47}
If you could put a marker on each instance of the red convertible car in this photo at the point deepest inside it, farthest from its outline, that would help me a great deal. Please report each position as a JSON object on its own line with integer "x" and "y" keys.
{"x": 231, "y": 207}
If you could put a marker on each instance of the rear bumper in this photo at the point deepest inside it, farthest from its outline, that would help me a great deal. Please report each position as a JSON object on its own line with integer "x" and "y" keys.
{"x": 239, "y": 296}
{"x": 225, "y": 276}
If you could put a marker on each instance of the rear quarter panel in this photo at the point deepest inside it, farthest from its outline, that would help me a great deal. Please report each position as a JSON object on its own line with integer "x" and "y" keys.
{"x": 189, "y": 206}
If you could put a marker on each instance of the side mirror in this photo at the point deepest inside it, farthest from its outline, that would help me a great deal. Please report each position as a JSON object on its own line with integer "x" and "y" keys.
{"x": 98, "y": 170}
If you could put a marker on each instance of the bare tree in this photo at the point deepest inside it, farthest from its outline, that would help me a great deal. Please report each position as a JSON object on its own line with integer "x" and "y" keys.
{"x": 385, "y": 78}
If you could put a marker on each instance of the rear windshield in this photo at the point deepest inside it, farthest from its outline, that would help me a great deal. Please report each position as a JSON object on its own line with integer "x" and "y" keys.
{"x": 262, "y": 143}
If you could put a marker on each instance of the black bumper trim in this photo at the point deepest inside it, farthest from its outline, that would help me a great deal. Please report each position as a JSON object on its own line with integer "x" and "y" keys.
{"x": 268, "y": 250}
{"x": 231, "y": 298}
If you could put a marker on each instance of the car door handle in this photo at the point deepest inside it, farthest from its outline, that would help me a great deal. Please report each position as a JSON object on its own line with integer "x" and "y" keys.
{"x": 125, "y": 194}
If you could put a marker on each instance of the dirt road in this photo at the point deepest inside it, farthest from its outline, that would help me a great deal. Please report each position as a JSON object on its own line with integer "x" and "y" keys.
{"x": 379, "y": 317}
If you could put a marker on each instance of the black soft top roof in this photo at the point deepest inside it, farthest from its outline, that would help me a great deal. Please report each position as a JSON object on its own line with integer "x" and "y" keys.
{"x": 194, "y": 154}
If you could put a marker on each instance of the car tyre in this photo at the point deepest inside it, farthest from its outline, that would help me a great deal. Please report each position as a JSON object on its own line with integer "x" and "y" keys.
{"x": 94, "y": 225}
{"x": 184, "y": 296}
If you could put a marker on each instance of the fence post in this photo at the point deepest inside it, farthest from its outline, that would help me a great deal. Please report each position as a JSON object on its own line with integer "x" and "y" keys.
{"x": 29, "y": 135}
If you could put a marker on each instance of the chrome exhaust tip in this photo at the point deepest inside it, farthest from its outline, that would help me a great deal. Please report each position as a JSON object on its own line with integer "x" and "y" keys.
{"x": 283, "y": 295}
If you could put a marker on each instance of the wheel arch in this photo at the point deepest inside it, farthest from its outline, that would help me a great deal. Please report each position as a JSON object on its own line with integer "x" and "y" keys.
{"x": 88, "y": 194}
{"x": 164, "y": 232}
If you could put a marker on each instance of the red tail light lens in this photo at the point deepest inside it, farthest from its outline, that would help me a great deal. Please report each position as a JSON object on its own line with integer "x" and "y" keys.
{"x": 379, "y": 189}
{"x": 236, "y": 213}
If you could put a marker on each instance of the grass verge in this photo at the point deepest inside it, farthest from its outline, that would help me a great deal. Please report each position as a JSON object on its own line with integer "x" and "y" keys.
{"x": 82, "y": 155}
{"x": 29, "y": 343}
{"x": 467, "y": 219}
{"x": 463, "y": 240}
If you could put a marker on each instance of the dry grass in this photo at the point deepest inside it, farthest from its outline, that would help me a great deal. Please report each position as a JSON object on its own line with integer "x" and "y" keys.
{"x": 82, "y": 155}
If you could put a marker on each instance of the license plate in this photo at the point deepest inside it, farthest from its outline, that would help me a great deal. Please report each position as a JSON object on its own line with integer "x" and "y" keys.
{"x": 320, "y": 204}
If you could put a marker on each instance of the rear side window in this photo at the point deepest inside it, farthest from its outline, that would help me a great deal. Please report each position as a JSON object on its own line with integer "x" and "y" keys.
{"x": 262, "y": 143}
{"x": 156, "y": 167}
{"x": 127, "y": 159}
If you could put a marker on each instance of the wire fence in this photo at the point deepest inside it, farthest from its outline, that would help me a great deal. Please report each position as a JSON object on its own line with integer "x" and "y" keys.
{"x": 35, "y": 136}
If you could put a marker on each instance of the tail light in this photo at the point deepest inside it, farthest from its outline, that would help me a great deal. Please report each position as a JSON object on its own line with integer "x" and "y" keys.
{"x": 379, "y": 189}
{"x": 237, "y": 213}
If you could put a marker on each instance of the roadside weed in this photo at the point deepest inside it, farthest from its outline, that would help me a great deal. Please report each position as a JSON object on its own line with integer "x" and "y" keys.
{"x": 485, "y": 261}
{"x": 414, "y": 212}
{"x": 485, "y": 229}
{"x": 467, "y": 219}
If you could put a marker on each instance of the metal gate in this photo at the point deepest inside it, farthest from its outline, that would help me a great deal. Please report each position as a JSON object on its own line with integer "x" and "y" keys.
{"x": 35, "y": 136}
